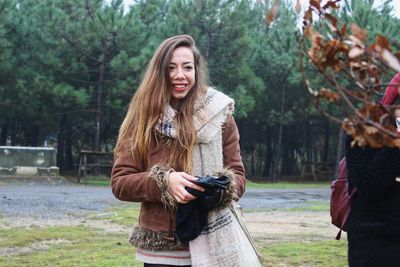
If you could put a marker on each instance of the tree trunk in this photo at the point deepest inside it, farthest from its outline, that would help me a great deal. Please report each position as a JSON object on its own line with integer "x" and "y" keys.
{"x": 326, "y": 140}
{"x": 278, "y": 152}
{"x": 4, "y": 134}
{"x": 287, "y": 165}
{"x": 252, "y": 167}
{"x": 99, "y": 93}
{"x": 61, "y": 142}
{"x": 68, "y": 162}
{"x": 259, "y": 162}
{"x": 34, "y": 135}
{"x": 340, "y": 150}
{"x": 268, "y": 152}
{"x": 12, "y": 134}
{"x": 99, "y": 96}
{"x": 309, "y": 155}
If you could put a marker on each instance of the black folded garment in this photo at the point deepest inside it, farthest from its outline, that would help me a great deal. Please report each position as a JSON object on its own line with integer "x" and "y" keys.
{"x": 214, "y": 190}
{"x": 192, "y": 217}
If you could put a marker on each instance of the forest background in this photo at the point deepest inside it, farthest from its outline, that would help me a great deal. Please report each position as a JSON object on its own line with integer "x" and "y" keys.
{"x": 68, "y": 70}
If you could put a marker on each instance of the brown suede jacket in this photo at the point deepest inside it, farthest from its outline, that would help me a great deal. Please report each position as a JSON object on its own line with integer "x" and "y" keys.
{"x": 133, "y": 181}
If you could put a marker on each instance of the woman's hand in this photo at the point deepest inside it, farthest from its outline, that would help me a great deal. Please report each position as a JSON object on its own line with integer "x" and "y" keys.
{"x": 177, "y": 182}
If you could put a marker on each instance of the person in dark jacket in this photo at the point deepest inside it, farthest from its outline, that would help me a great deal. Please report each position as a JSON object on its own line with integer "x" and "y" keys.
{"x": 374, "y": 222}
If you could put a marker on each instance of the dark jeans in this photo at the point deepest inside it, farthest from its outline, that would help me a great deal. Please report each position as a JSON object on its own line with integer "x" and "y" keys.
{"x": 162, "y": 265}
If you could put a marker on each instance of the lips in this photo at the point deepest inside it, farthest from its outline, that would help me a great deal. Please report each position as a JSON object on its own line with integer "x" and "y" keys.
{"x": 180, "y": 87}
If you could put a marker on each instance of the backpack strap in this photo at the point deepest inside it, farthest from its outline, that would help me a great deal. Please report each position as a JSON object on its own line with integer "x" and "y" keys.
{"x": 346, "y": 216}
{"x": 339, "y": 235}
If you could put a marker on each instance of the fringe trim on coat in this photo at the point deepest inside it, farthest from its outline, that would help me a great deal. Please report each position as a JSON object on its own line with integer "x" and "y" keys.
{"x": 231, "y": 191}
{"x": 160, "y": 173}
{"x": 160, "y": 241}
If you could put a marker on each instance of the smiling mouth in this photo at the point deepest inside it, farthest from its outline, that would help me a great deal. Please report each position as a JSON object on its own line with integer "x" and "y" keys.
{"x": 180, "y": 87}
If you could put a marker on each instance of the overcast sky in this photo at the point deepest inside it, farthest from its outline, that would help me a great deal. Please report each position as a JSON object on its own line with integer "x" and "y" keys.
{"x": 396, "y": 5}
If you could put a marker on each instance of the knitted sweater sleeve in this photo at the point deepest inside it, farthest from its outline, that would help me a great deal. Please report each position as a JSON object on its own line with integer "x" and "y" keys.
{"x": 373, "y": 171}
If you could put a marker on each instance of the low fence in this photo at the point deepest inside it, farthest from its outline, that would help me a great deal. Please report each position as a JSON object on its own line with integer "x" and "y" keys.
{"x": 94, "y": 163}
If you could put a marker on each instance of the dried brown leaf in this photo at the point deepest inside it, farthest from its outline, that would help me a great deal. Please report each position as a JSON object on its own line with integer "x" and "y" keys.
{"x": 374, "y": 137}
{"x": 343, "y": 30}
{"x": 383, "y": 42}
{"x": 355, "y": 65}
{"x": 359, "y": 140}
{"x": 328, "y": 94}
{"x": 370, "y": 130}
{"x": 375, "y": 48}
{"x": 390, "y": 60}
{"x": 359, "y": 94}
{"x": 373, "y": 70}
{"x": 331, "y": 4}
{"x": 355, "y": 52}
{"x": 371, "y": 111}
{"x": 348, "y": 127}
{"x": 308, "y": 32}
{"x": 330, "y": 54}
{"x": 361, "y": 34}
{"x": 307, "y": 18}
{"x": 272, "y": 13}
{"x": 396, "y": 142}
{"x": 316, "y": 46}
{"x": 332, "y": 20}
{"x": 316, "y": 4}
{"x": 354, "y": 39}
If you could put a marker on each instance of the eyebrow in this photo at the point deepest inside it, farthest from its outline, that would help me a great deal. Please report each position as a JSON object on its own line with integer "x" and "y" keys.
{"x": 184, "y": 63}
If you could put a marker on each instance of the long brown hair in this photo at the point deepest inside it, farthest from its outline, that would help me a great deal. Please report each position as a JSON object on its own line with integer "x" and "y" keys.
{"x": 149, "y": 101}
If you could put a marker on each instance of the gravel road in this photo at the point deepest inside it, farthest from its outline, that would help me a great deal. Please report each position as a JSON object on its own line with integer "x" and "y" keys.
{"x": 57, "y": 201}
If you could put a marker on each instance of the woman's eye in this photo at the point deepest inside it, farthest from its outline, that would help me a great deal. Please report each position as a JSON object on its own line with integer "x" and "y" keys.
{"x": 189, "y": 67}
{"x": 171, "y": 68}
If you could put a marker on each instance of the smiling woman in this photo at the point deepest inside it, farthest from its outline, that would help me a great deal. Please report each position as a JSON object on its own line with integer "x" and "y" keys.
{"x": 178, "y": 128}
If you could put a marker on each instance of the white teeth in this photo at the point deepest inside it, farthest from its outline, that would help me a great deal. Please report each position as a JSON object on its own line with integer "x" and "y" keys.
{"x": 179, "y": 85}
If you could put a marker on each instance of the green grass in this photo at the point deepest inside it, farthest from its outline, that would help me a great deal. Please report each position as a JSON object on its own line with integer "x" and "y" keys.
{"x": 94, "y": 180}
{"x": 87, "y": 247}
{"x": 286, "y": 185}
{"x": 127, "y": 214}
{"x": 318, "y": 253}
{"x": 313, "y": 206}
{"x": 92, "y": 247}
{"x": 308, "y": 207}
{"x": 19, "y": 237}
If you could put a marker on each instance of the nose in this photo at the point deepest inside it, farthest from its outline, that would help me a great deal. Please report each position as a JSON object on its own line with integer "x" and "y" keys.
{"x": 179, "y": 73}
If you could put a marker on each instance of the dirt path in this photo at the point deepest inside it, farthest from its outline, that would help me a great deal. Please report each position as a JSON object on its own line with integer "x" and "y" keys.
{"x": 281, "y": 226}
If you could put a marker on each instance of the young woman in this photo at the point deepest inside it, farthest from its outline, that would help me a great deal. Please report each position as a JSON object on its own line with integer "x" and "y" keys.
{"x": 374, "y": 222}
{"x": 176, "y": 128}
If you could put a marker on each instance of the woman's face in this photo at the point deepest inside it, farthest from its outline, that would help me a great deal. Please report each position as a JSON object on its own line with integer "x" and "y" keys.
{"x": 182, "y": 72}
